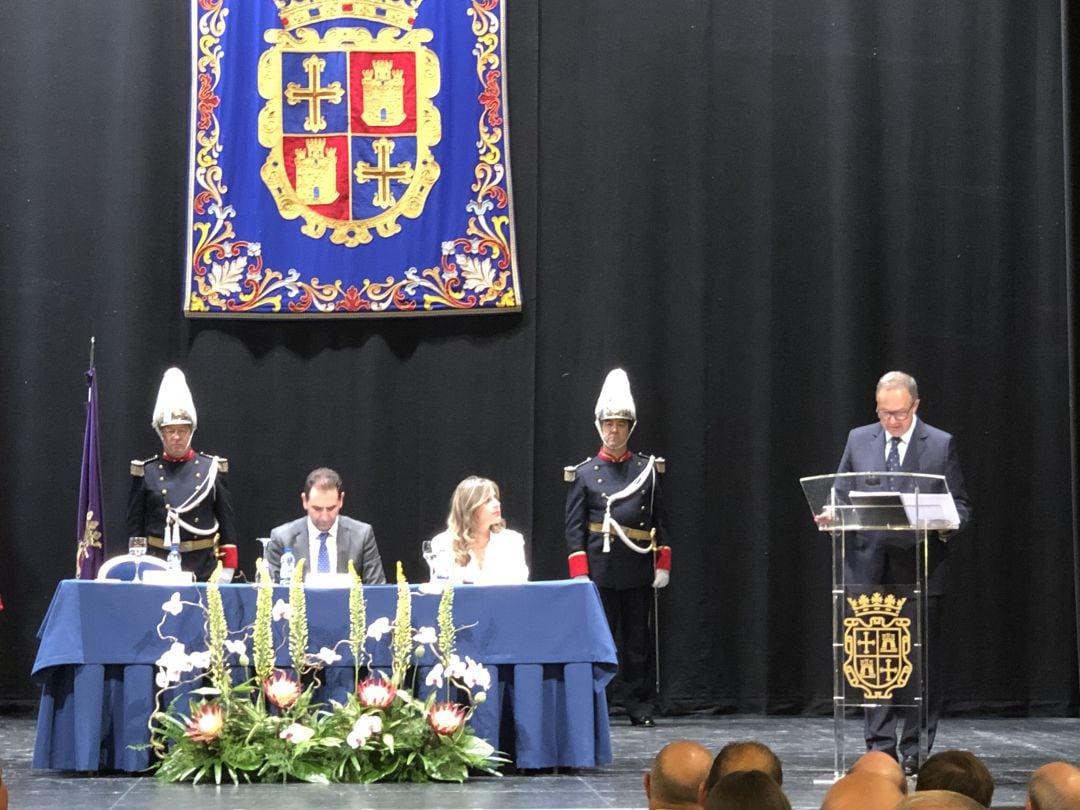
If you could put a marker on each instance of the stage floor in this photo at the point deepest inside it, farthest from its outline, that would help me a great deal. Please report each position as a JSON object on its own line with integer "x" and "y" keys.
{"x": 1011, "y": 748}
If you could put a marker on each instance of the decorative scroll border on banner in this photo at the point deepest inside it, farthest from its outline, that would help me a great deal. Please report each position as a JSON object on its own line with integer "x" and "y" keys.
{"x": 229, "y": 273}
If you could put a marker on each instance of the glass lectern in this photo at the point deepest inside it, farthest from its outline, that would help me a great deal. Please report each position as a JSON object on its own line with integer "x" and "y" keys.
{"x": 879, "y": 630}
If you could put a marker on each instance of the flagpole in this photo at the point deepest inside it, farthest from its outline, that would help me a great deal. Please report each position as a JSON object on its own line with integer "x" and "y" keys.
{"x": 89, "y": 388}
{"x": 90, "y": 530}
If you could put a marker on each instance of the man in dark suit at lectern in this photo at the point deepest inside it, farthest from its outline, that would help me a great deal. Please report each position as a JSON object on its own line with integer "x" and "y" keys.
{"x": 901, "y": 442}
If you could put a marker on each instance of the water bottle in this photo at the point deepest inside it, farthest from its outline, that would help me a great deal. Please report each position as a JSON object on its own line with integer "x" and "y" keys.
{"x": 172, "y": 562}
{"x": 286, "y": 567}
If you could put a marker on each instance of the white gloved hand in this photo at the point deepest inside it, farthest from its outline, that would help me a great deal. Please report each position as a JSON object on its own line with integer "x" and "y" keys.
{"x": 661, "y": 578}
{"x": 581, "y": 578}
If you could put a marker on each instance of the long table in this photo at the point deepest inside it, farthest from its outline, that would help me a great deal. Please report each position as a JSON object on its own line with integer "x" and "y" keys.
{"x": 546, "y": 645}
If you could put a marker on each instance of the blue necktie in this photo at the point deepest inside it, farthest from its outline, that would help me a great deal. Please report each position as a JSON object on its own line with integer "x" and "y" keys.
{"x": 892, "y": 461}
{"x": 322, "y": 566}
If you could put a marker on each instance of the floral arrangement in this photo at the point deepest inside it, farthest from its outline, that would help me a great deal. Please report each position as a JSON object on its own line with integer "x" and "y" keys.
{"x": 247, "y": 720}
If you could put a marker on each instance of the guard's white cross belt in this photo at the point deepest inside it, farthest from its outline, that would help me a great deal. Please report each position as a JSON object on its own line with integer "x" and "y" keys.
{"x": 173, "y": 521}
{"x": 610, "y": 525}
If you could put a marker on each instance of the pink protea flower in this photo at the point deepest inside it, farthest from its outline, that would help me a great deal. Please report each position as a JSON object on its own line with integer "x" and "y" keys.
{"x": 446, "y": 718}
{"x": 376, "y": 693}
{"x": 206, "y": 723}
{"x": 282, "y": 690}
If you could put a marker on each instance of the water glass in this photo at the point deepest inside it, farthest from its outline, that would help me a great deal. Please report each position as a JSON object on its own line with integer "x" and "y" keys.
{"x": 429, "y": 557}
{"x": 136, "y": 546}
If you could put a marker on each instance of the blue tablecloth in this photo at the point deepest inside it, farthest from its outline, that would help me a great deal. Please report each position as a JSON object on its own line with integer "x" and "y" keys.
{"x": 546, "y": 644}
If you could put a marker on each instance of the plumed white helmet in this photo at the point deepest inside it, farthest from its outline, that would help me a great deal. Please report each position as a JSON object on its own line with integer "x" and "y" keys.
{"x": 174, "y": 405}
{"x": 615, "y": 401}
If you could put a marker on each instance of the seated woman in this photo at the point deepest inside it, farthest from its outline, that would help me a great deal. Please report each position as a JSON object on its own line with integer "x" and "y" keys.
{"x": 476, "y": 547}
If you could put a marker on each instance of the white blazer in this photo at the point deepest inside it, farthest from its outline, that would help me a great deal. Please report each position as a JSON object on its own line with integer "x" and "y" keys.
{"x": 504, "y": 560}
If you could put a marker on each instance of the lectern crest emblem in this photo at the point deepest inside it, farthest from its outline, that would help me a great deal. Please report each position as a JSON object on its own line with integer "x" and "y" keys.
{"x": 349, "y": 118}
{"x": 877, "y": 645}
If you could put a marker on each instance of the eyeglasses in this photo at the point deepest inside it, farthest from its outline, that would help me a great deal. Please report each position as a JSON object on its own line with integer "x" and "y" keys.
{"x": 899, "y": 415}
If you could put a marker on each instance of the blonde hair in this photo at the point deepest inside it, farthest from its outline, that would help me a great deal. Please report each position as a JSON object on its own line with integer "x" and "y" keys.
{"x": 468, "y": 495}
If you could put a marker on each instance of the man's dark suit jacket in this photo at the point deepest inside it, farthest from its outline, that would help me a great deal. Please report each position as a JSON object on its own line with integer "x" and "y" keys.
{"x": 882, "y": 558}
{"x": 355, "y": 541}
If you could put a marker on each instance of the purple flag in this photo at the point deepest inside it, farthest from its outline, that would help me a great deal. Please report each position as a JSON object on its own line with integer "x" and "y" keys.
{"x": 90, "y": 531}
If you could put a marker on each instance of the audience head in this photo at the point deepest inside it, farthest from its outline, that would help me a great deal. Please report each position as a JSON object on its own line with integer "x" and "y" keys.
{"x": 880, "y": 763}
{"x": 474, "y": 507}
{"x": 939, "y": 800}
{"x": 747, "y": 790}
{"x": 746, "y": 755}
{"x": 676, "y": 774}
{"x": 1054, "y": 786}
{"x": 959, "y": 771}
{"x": 862, "y": 791}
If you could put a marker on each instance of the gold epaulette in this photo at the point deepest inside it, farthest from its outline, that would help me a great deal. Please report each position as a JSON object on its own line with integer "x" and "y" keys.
{"x": 222, "y": 464}
{"x": 137, "y": 465}
{"x": 570, "y": 472}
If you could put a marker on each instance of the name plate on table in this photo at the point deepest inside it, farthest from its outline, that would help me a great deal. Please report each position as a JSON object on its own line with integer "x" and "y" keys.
{"x": 153, "y": 576}
{"x": 313, "y": 580}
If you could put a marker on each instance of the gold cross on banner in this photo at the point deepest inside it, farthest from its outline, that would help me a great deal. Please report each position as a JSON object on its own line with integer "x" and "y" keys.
{"x": 383, "y": 172}
{"x": 314, "y": 94}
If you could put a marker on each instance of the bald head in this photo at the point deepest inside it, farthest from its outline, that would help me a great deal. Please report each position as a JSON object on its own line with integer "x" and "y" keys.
{"x": 746, "y": 755}
{"x": 677, "y": 773}
{"x": 862, "y": 791}
{"x": 1054, "y": 786}
{"x": 939, "y": 800}
{"x": 880, "y": 763}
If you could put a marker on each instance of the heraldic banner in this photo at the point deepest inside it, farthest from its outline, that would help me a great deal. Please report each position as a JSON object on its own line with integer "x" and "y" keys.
{"x": 349, "y": 157}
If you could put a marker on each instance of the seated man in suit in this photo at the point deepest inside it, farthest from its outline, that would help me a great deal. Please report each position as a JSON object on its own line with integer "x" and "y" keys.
{"x": 326, "y": 539}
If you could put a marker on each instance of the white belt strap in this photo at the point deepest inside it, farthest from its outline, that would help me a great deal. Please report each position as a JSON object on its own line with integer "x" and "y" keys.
{"x": 611, "y": 525}
{"x": 173, "y": 521}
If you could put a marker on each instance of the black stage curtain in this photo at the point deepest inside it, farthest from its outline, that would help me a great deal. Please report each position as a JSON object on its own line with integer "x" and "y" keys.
{"x": 756, "y": 208}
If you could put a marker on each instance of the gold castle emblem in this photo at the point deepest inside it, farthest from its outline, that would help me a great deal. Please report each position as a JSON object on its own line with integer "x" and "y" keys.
{"x": 877, "y": 645}
{"x": 316, "y": 173}
{"x": 384, "y": 94}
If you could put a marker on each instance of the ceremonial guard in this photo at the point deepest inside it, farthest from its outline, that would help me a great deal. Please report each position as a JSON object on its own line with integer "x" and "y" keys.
{"x": 180, "y": 497}
{"x": 616, "y": 535}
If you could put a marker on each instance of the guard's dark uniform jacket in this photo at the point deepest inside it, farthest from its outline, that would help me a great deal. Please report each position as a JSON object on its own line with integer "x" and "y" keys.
{"x": 194, "y": 493}
{"x": 593, "y": 482}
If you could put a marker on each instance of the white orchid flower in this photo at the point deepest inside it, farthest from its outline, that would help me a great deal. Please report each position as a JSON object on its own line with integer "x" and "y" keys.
{"x": 426, "y": 635}
{"x": 378, "y": 628}
{"x": 281, "y": 610}
{"x": 297, "y": 733}
{"x": 172, "y": 664}
{"x": 174, "y": 605}
{"x": 435, "y": 677}
{"x": 455, "y": 668}
{"x": 236, "y": 647}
